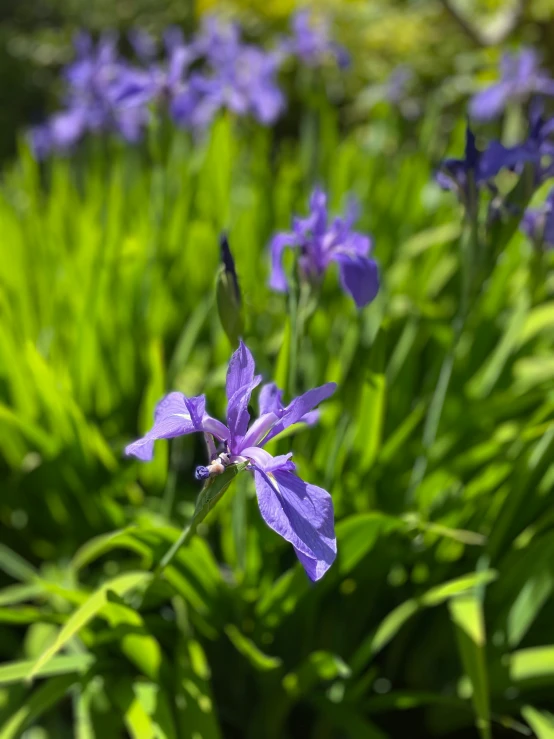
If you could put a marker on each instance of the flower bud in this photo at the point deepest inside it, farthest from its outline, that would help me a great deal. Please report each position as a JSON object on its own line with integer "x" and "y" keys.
{"x": 228, "y": 295}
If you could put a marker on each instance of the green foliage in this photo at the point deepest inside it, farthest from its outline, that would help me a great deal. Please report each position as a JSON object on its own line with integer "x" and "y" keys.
{"x": 436, "y": 618}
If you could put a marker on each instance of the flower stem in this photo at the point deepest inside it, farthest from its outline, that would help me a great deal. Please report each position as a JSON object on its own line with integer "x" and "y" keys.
{"x": 184, "y": 537}
{"x": 299, "y": 312}
{"x": 293, "y": 349}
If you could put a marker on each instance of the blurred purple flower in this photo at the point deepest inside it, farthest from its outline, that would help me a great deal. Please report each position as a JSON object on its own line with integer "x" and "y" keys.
{"x": 311, "y": 41}
{"x": 520, "y": 77}
{"x": 479, "y": 167}
{"x": 238, "y": 77}
{"x": 398, "y": 84}
{"x": 140, "y": 87}
{"x": 539, "y": 146}
{"x": 144, "y": 44}
{"x": 320, "y": 243}
{"x": 538, "y": 223}
{"x": 299, "y": 512}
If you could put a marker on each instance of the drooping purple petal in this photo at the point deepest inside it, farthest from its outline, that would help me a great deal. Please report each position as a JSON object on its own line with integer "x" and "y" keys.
{"x": 171, "y": 418}
{"x": 359, "y": 277}
{"x": 302, "y": 514}
{"x": 489, "y": 103}
{"x": 176, "y": 415}
{"x": 278, "y": 280}
{"x": 301, "y": 405}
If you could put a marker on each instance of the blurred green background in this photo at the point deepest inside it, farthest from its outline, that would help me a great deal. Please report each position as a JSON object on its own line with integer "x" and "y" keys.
{"x": 436, "y": 619}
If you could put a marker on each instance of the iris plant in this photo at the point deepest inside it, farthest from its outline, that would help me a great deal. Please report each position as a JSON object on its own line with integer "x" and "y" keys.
{"x": 216, "y": 70}
{"x": 478, "y": 168}
{"x": 298, "y": 511}
{"x": 319, "y": 242}
{"x": 521, "y": 77}
{"x": 311, "y": 41}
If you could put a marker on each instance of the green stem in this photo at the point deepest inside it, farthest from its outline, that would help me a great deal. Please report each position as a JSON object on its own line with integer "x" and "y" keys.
{"x": 293, "y": 351}
{"x": 212, "y": 491}
{"x": 185, "y": 536}
{"x": 299, "y": 313}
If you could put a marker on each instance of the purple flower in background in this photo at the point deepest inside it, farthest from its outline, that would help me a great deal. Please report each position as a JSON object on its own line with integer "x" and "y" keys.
{"x": 144, "y": 45}
{"x": 61, "y": 132}
{"x": 138, "y": 87}
{"x": 299, "y": 512}
{"x": 92, "y": 102}
{"x": 238, "y": 77}
{"x": 520, "y": 77}
{"x": 538, "y": 223}
{"x": 320, "y": 243}
{"x": 398, "y": 84}
{"x": 479, "y": 167}
{"x": 311, "y": 41}
{"x": 539, "y": 146}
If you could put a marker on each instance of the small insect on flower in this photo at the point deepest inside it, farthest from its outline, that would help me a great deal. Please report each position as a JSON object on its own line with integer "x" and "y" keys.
{"x": 298, "y": 511}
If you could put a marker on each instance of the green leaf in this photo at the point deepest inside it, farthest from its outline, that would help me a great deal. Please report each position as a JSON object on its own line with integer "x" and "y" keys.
{"x": 542, "y": 722}
{"x": 318, "y": 666}
{"x": 12, "y": 672}
{"x": 370, "y": 418}
{"x": 36, "y": 704}
{"x": 248, "y": 649}
{"x": 137, "y": 703}
{"x": 467, "y": 615}
{"x": 350, "y": 722}
{"x": 19, "y": 593}
{"x": 213, "y": 490}
{"x": 534, "y": 663}
{"x": 15, "y": 566}
{"x": 358, "y": 534}
{"x": 196, "y": 713}
{"x": 146, "y": 710}
{"x": 141, "y": 648}
{"x": 540, "y": 319}
{"x": 394, "y": 621}
{"x": 459, "y": 585}
{"x": 85, "y": 613}
{"x": 530, "y": 600}
{"x": 99, "y": 545}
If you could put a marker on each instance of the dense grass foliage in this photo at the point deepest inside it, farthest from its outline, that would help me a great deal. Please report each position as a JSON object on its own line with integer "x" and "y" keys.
{"x": 436, "y": 619}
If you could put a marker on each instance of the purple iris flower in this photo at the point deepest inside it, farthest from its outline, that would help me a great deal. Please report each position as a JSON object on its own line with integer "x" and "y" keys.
{"x": 321, "y": 242}
{"x": 311, "y": 41}
{"x": 61, "y": 132}
{"x": 539, "y": 146}
{"x": 238, "y": 77}
{"x": 520, "y": 77}
{"x": 479, "y": 167}
{"x": 144, "y": 45}
{"x": 538, "y": 223}
{"x": 299, "y": 512}
{"x": 137, "y": 88}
